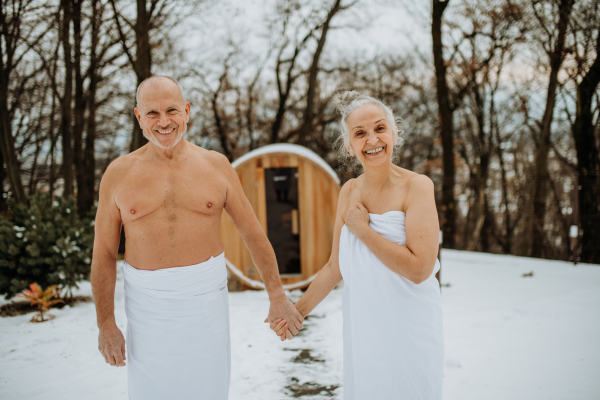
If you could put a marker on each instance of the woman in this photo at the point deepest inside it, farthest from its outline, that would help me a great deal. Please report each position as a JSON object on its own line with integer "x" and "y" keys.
{"x": 385, "y": 248}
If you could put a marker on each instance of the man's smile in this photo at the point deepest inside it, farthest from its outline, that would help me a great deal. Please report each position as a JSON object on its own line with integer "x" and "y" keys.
{"x": 165, "y": 132}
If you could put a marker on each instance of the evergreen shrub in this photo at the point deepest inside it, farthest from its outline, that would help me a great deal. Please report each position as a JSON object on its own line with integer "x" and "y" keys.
{"x": 46, "y": 243}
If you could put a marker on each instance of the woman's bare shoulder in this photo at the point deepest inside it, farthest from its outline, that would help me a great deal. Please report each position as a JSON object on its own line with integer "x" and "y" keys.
{"x": 419, "y": 185}
{"x": 346, "y": 193}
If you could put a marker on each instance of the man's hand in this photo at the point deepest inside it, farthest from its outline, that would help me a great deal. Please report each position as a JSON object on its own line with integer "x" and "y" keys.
{"x": 283, "y": 309}
{"x": 111, "y": 344}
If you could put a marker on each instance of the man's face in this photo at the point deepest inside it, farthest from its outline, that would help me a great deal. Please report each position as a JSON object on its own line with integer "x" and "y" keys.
{"x": 162, "y": 113}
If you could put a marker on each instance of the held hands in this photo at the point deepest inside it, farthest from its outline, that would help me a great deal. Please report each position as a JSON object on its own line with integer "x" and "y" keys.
{"x": 111, "y": 344}
{"x": 282, "y": 311}
{"x": 357, "y": 218}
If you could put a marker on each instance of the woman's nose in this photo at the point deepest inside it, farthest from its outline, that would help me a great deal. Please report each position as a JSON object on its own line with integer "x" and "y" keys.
{"x": 371, "y": 138}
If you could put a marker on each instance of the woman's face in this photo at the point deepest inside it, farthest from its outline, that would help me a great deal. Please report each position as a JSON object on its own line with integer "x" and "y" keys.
{"x": 371, "y": 135}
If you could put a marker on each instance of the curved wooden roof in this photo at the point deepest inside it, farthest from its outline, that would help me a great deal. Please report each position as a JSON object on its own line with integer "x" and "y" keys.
{"x": 288, "y": 148}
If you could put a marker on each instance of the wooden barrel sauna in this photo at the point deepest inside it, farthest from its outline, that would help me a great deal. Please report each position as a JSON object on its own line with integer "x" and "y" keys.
{"x": 294, "y": 194}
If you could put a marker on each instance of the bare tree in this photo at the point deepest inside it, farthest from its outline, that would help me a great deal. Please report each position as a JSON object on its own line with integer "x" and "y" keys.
{"x": 446, "y": 127}
{"x": 20, "y": 32}
{"x": 555, "y": 26}
{"x": 586, "y": 35}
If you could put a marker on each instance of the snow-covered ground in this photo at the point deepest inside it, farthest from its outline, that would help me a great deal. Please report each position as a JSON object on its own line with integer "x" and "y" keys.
{"x": 508, "y": 337}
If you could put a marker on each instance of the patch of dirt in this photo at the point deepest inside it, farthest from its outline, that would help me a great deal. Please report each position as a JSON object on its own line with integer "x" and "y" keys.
{"x": 22, "y": 307}
{"x": 310, "y": 389}
{"x": 304, "y": 357}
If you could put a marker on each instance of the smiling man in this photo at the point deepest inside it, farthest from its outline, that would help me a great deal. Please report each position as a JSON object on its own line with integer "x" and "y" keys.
{"x": 169, "y": 196}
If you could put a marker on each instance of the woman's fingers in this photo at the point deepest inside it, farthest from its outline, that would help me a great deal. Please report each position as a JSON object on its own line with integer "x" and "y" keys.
{"x": 281, "y": 328}
{"x": 274, "y": 323}
{"x": 293, "y": 330}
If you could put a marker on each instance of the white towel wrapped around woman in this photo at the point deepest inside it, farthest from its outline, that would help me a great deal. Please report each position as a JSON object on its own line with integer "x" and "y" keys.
{"x": 178, "y": 344}
{"x": 393, "y": 335}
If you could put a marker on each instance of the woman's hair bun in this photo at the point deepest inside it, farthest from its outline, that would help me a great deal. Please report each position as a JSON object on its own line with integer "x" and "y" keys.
{"x": 343, "y": 97}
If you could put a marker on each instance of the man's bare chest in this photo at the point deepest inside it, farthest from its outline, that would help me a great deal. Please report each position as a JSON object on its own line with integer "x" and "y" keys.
{"x": 144, "y": 193}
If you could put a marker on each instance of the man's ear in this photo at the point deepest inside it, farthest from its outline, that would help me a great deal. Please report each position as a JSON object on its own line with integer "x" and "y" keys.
{"x": 187, "y": 112}
{"x": 138, "y": 116}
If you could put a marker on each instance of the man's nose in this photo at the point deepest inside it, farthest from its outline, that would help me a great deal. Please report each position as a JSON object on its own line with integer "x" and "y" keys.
{"x": 164, "y": 121}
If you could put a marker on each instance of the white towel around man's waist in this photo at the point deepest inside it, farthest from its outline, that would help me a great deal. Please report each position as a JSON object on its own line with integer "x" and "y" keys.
{"x": 178, "y": 344}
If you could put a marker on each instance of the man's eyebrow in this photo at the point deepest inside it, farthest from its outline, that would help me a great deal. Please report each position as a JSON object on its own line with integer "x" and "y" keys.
{"x": 356, "y": 127}
{"x": 168, "y": 108}
{"x": 376, "y": 122}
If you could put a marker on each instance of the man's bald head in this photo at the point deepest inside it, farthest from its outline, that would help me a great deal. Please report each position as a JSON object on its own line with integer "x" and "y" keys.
{"x": 157, "y": 80}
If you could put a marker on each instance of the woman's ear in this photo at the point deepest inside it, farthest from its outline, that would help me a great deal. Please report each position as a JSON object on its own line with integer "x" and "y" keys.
{"x": 349, "y": 148}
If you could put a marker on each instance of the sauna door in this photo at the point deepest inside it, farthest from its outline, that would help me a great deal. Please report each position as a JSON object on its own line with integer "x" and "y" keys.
{"x": 281, "y": 186}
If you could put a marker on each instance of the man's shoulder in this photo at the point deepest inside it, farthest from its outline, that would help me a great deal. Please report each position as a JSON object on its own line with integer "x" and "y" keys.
{"x": 118, "y": 168}
{"x": 206, "y": 155}
{"x": 214, "y": 159}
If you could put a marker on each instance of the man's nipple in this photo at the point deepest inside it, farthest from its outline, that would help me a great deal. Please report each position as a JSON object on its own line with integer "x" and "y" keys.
{"x": 133, "y": 211}
{"x": 209, "y": 205}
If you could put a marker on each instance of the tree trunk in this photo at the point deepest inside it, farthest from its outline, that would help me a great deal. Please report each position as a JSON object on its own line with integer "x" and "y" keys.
{"x": 79, "y": 110}
{"x": 87, "y": 190}
{"x": 539, "y": 187}
{"x": 588, "y": 163}
{"x": 309, "y": 112}
{"x": 142, "y": 63}
{"x": 447, "y": 134}
{"x": 3, "y": 205}
{"x": 9, "y": 153}
{"x": 67, "y": 153}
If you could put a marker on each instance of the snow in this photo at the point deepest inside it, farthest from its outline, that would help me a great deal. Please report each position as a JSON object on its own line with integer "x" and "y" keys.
{"x": 507, "y": 337}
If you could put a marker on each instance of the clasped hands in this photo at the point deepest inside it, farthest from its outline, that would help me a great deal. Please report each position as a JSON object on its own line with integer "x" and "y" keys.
{"x": 284, "y": 317}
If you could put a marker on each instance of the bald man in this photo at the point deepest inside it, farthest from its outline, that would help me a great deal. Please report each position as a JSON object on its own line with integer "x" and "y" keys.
{"x": 169, "y": 195}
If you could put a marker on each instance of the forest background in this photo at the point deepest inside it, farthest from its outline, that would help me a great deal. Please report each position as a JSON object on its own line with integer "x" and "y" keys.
{"x": 500, "y": 98}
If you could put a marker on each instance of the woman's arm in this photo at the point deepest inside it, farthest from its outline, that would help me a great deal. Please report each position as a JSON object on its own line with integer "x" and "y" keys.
{"x": 327, "y": 279}
{"x": 416, "y": 260}
{"x": 329, "y": 276}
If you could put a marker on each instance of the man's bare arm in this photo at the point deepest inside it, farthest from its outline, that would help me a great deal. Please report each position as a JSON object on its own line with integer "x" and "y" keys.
{"x": 104, "y": 270}
{"x": 261, "y": 251}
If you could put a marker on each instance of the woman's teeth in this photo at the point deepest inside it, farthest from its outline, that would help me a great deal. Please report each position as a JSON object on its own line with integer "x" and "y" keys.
{"x": 373, "y": 151}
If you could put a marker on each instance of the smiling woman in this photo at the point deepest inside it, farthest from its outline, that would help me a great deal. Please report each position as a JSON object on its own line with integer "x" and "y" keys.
{"x": 385, "y": 245}
{"x": 346, "y": 101}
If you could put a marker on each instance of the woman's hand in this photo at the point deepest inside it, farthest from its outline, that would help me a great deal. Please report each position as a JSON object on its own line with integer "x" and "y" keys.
{"x": 357, "y": 218}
